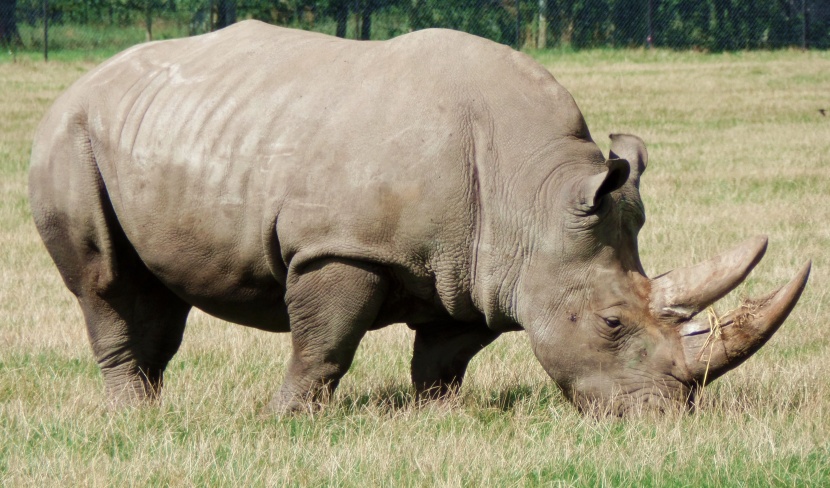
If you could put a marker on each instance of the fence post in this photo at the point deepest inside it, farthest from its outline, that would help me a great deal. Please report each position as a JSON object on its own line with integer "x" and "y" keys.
{"x": 45, "y": 30}
{"x": 542, "y": 40}
{"x": 804, "y": 24}
{"x": 518, "y": 24}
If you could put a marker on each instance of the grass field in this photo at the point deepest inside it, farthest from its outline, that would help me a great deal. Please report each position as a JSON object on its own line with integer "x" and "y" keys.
{"x": 737, "y": 148}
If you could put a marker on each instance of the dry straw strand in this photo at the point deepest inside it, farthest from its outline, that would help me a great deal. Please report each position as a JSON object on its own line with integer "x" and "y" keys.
{"x": 715, "y": 333}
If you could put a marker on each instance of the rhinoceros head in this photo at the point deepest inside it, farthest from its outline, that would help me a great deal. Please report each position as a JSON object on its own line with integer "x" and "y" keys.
{"x": 616, "y": 341}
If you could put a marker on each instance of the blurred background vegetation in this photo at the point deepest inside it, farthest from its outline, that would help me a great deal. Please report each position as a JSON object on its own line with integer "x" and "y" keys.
{"x": 706, "y": 25}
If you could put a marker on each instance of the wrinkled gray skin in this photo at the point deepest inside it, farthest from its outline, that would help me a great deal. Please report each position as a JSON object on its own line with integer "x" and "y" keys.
{"x": 291, "y": 181}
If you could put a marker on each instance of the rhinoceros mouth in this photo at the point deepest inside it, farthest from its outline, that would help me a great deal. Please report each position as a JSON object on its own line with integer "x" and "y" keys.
{"x": 650, "y": 400}
{"x": 639, "y": 393}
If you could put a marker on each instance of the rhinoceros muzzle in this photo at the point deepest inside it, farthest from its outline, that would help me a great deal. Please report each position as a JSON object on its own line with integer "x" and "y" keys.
{"x": 712, "y": 344}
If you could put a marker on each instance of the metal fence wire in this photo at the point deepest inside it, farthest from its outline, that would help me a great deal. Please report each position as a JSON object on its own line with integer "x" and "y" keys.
{"x": 711, "y": 25}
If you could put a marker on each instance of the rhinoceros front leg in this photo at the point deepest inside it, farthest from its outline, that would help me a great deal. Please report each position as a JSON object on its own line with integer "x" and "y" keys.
{"x": 442, "y": 352}
{"x": 331, "y": 305}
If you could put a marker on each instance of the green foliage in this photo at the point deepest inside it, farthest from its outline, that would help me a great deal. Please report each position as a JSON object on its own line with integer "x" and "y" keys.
{"x": 715, "y": 25}
{"x": 486, "y": 18}
{"x": 712, "y": 25}
{"x": 726, "y": 24}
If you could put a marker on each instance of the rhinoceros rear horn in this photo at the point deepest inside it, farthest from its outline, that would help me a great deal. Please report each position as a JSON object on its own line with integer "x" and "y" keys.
{"x": 683, "y": 292}
{"x": 714, "y": 345}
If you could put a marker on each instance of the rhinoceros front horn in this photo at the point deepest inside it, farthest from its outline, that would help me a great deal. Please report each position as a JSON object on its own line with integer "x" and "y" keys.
{"x": 714, "y": 345}
{"x": 683, "y": 292}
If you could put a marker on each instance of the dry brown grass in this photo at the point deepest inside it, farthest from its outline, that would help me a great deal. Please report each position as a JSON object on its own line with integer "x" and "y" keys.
{"x": 737, "y": 148}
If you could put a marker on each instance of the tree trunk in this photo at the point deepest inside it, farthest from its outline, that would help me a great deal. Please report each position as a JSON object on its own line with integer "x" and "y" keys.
{"x": 342, "y": 16}
{"x": 148, "y": 19}
{"x": 9, "y": 35}
{"x": 226, "y": 13}
{"x": 366, "y": 24}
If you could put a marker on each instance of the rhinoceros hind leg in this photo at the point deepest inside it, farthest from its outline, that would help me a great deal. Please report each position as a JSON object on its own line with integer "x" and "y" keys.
{"x": 134, "y": 334}
{"x": 331, "y": 305}
{"x": 134, "y": 323}
{"x": 441, "y": 355}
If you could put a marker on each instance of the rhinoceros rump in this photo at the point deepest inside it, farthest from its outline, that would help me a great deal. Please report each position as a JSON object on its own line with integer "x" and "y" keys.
{"x": 300, "y": 183}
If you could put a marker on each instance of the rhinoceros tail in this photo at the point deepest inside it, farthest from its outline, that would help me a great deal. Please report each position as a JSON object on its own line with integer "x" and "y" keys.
{"x": 68, "y": 197}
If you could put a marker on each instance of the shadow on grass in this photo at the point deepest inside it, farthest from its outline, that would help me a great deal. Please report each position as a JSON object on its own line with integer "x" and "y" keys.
{"x": 510, "y": 398}
{"x": 396, "y": 398}
{"x": 387, "y": 399}
{"x": 506, "y": 399}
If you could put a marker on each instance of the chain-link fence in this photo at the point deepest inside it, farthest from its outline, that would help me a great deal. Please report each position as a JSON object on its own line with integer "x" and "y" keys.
{"x": 714, "y": 25}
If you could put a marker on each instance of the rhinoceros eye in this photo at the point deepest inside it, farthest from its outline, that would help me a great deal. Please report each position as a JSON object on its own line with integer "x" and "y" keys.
{"x": 613, "y": 322}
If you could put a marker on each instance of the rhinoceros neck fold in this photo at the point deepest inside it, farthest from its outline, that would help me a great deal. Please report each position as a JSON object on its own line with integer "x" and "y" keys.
{"x": 520, "y": 210}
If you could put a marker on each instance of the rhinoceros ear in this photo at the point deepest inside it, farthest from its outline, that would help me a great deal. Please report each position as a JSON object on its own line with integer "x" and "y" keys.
{"x": 632, "y": 149}
{"x": 593, "y": 188}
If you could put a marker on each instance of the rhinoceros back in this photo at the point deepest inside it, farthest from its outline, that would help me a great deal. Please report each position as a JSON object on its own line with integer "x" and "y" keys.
{"x": 232, "y": 157}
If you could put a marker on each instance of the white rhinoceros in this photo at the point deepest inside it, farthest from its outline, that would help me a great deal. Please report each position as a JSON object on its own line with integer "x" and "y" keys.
{"x": 301, "y": 183}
